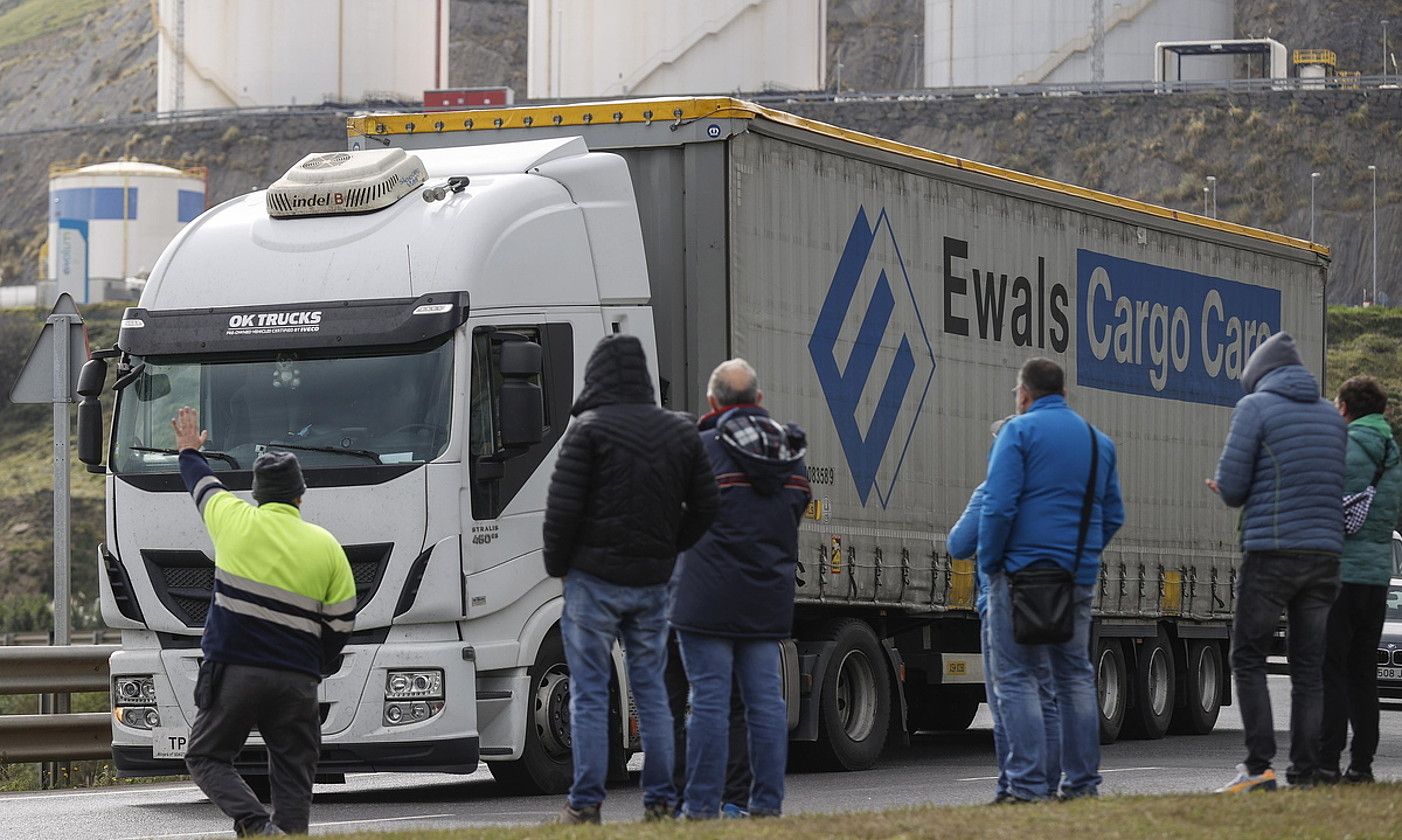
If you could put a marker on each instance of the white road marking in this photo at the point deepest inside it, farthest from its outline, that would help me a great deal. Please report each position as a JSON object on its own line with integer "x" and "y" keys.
{"x": 1103, "y": 771}
{"x": 126, "y": 790}
{"x": 313, "y": 825}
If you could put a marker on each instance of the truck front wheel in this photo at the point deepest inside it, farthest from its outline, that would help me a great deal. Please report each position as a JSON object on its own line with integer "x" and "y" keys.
{"x": 545, "y": 765}
{"x": 854, "y": 709}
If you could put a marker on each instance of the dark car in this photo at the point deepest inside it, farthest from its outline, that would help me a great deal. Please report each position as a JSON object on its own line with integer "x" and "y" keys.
{"x": 1390, "y": 647}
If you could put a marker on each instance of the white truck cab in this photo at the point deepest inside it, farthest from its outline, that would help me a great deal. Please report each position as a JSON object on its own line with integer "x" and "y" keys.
{"x": 413, "y": 327}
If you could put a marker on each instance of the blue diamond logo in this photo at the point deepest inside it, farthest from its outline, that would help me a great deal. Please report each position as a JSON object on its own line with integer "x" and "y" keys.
{"x": 873, "y": 356}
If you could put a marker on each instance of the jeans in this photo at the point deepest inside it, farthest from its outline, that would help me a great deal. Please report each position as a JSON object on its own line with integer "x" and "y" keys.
{"x": 1351, "y": 676}
{"x": 1019, "y": 671}
{"x": 283, "y": 705}
{"x": 1050, "y": 716}
{"x": 596, "y": 613}
{"x": 1303, "y": 586}
{"x": 737, "y": 763}
{"x": 710, "y": 663}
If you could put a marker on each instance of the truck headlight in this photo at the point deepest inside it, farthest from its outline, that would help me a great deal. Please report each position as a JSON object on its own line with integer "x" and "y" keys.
{"x": 399, "y": 713}
{"x": 414, "y": 685}
{"x": 131, "y": 691}
{"x": 137, "y": 717}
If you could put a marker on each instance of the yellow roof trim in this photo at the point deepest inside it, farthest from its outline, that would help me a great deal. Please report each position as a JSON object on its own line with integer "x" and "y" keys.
{"x": 648, "y": 111}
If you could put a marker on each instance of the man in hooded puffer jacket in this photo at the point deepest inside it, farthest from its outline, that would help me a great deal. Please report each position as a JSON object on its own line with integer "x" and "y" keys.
{"x": 1283, "y": 462}
{"x": 732, "y": 593}
{"x": 632, "y": 487}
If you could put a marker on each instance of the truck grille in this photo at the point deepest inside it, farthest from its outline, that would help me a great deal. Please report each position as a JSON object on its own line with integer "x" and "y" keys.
{"x": 184, "y": 580}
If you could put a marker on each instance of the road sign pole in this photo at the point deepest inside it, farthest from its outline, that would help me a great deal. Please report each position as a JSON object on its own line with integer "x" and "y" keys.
{"x": 62, "y": 395}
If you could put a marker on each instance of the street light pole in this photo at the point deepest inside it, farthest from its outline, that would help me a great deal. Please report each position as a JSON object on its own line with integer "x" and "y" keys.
{"x": 1314, "y": 177}
{"x": 1205, "y": 211}
{"x": 1384, "y": 48}
{"x": 1212, "y": 182}
{"x": 1374, "y": 171}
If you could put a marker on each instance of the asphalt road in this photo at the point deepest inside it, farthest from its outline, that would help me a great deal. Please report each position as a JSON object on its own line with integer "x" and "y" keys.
{"x": 947, "y": 769}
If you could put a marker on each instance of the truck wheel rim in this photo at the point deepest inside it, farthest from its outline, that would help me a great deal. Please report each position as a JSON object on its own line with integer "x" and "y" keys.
{"x": 1207, "y": 680}
{"x": 1158, "y": 681}
{"x": 1108, "y": 684}
{"x": 552, "y": 711}
{"x": 856, "y": 695}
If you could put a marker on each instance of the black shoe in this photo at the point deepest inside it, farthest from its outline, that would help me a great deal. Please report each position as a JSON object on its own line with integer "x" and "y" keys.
{"x": 1001, "y": 798}
{"x": 1358, "y": 777}
{"x": 657, "y": 812}
{"x": 1327, "y": 777}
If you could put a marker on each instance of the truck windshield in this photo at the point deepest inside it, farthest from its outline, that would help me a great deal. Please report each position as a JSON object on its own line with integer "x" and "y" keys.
{"x": 377, "y": 406}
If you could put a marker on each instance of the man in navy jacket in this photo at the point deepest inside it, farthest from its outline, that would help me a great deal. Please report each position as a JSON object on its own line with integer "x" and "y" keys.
{"x": 1284, "y": 462}
{"x": 1032, "y": 500}
{"x": 732, "y": 593}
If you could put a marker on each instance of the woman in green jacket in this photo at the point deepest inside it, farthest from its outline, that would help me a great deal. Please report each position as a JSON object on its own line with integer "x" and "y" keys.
{"x": 1365, "y": 569}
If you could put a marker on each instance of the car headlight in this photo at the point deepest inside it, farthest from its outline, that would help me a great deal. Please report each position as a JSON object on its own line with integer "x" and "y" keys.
{"x": 134, "y": 691}
{"x": 414, "y": 685}
{"x": 399, "y": 713}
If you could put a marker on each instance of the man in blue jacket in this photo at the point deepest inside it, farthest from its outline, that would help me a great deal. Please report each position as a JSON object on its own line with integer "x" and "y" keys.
{"x": 961, "y": 543}
{"x": 1038, "y": 471}
{"x": 1283, "y": 462}
{"x": 732, "y": 592}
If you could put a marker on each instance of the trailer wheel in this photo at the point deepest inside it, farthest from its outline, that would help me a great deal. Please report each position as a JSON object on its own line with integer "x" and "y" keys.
{"x": 545, "y": 765}
{"x": 1111, "y": 688}
{"x": 1152, "y": 708}
{"x": 854, "y": 709}
{"x": 1204, "y": 689}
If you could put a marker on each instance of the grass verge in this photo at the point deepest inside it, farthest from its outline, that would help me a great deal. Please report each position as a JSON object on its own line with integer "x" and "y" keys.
{"x": 33, "y": 18}
{"x": 1352, "y": 811}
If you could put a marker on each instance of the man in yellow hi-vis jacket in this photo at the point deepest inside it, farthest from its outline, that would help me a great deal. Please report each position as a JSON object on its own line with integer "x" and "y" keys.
{"x": 283, "y": 607}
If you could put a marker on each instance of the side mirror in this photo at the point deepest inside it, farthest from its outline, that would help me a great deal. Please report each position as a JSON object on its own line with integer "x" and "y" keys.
{"x": 92, "y": 377}
{"x": 522, "y": 405}
{"x": 522, "y": 409}
{"x": 90, "y": 430}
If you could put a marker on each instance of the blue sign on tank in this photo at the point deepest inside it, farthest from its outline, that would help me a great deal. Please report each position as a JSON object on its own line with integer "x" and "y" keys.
{"x": 92, "y": 203}
{"x": 1161, "y": 332}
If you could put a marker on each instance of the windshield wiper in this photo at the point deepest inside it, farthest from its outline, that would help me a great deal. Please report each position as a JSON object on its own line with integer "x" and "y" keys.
{"x": 363, "y": 453}
{"x": 208, "y": 453}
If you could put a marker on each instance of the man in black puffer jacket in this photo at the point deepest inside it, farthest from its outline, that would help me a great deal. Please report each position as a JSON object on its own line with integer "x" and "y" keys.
{"x": 732, "y": 595}
{"x": 632, "y": 488}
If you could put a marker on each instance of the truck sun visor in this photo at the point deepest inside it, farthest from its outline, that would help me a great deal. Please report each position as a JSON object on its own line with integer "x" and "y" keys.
{"x": 301, "y": 326}
{"x": 335, "y": 183}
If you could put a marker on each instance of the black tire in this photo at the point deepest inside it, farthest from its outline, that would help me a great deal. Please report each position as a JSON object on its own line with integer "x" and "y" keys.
{"x": 854, "y": 707}
{"x": 545, "y": 765}
{"x": 1151, "y": 690}
{"x": 261, "y": 786}
{"x": 1111, "y": 688}
{"x": 941, "y": 710}
{"x": 1203, "y": 683}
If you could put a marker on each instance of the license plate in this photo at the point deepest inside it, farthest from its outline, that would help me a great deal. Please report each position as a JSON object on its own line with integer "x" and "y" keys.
{"x": 1390, "y": 673}
{"x": 170, "y": 741}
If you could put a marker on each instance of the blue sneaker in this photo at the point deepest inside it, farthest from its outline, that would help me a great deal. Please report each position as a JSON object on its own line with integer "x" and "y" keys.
{"x": 731, "y": 811}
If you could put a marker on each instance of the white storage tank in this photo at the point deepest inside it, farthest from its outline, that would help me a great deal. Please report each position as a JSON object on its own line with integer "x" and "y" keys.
{"x": 253, "y": 53}
{"x": 578, "y": 48}
{"x": 980, "y": 43}
{"x": 109, "y": 223}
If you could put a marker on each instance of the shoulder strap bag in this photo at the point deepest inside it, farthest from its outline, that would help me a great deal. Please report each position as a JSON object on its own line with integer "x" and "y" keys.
{"x": 1044, "y": 593}
{"x": 1357, "y": 505}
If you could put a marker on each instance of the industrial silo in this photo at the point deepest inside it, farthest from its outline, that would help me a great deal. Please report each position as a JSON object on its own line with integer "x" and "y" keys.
{"x": 1012, "y": 42}
{"x": 109, "y": 222}
{"x": 256, "y": 53}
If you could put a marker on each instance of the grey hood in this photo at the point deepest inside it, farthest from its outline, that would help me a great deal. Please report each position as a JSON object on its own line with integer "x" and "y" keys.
{"x": 1275, "y": 352}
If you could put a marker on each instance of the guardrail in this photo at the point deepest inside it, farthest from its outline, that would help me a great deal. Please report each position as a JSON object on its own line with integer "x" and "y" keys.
{"x": 78, "y": 637}
{"x": 55, "y": 670}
